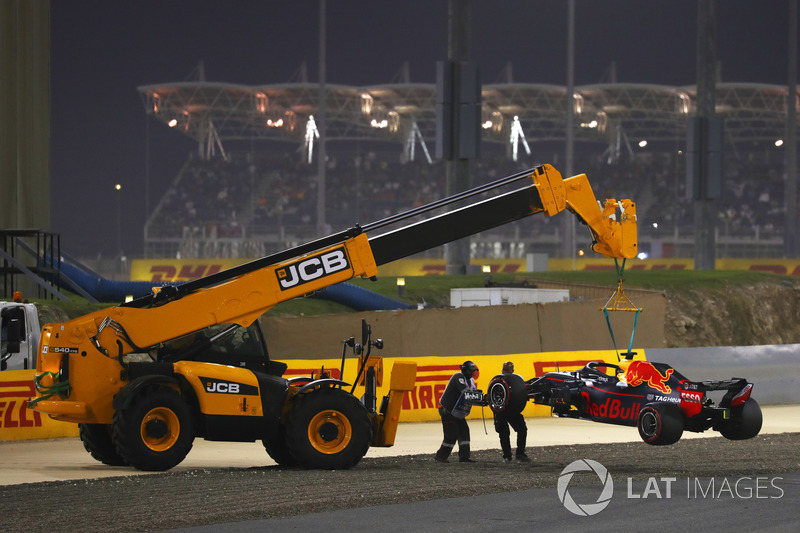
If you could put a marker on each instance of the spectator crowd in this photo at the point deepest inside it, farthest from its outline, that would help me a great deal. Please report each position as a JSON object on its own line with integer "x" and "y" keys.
{"x": 256, "y": 204}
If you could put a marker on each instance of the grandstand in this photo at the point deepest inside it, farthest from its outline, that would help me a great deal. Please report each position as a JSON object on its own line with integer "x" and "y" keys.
{"x": 234, "y": 202}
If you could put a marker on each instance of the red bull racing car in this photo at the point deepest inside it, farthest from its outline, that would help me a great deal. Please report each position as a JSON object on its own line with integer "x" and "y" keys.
{"x": 654, "y": 397}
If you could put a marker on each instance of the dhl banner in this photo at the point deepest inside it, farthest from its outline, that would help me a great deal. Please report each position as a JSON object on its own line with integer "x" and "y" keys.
{"x": 433, "y": 373}
{"x": 178, "y": 270}
{"x": 17, "y": 422}
{"x": 174, "y": 270}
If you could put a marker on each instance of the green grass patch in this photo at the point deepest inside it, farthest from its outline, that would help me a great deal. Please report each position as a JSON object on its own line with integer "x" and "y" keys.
{"x": 665, "y": 280}
{"x": 434, "y": 291}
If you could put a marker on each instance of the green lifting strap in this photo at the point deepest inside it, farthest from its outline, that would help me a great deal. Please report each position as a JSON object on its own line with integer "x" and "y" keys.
{"x": 620, "y": 272}
{"x": 48, "y": 391}
{"x": 611, "y": 331}
{"x": 633, "y": 331}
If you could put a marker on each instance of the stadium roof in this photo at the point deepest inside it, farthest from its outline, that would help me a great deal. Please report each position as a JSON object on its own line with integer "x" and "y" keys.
{"x": 604, "y": 113}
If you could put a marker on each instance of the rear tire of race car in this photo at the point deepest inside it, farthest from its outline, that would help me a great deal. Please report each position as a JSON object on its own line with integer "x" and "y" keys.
{"x": 744, "y": 424}
{"x": 329, "y": 429}
{"x": 96, "y": 439}
{"x": 660, "y": 424}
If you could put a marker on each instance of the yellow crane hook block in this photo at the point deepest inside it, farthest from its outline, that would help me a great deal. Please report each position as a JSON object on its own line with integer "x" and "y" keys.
{"x": 619, "y": 301}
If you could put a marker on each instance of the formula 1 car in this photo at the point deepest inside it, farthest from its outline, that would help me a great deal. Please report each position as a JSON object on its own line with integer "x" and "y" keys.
{"x": 654, "y": 397}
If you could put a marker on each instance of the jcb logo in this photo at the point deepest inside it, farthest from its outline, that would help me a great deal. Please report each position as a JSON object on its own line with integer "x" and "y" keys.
{"x": 225, "y": 388}
{"x": 312, "y": 268}
{"x": 218, "y": 386}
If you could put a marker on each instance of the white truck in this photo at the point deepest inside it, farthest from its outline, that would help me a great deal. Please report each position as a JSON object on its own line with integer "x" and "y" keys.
{"x": 20, "y": 332}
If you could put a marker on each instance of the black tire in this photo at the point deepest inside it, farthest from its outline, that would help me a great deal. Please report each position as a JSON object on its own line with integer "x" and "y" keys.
{"x": 745, "y": 422}
{"x": 328, "y": 428}
{"x": 498, "y": 393}
{"x": 156, "y": 432}
{"x": 660, "y": 424}
{"x": 507, "y": 393}
{"x": 278, "y": 450}
{"x": 96, "y": 439}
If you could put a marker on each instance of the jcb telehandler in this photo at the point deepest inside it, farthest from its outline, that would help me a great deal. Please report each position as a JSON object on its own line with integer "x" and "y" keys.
{"x": 144, "y": 378}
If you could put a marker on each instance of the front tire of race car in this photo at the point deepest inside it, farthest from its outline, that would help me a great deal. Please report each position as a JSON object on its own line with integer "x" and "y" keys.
{"x": 744, "y": 424}
{"x": 660, "y": 424}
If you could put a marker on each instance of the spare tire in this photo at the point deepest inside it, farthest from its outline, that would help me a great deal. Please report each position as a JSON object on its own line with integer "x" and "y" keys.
{"x": 507, "y": 394}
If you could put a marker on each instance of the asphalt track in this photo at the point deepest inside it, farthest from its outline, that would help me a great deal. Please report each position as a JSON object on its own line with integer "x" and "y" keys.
{"x": 767, "y": 503}
{"x": 689, "y": 508}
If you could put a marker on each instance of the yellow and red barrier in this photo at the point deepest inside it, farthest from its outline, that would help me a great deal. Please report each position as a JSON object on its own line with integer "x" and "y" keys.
{"x": 17, "y": 422}
{"x": 433, "y": 373}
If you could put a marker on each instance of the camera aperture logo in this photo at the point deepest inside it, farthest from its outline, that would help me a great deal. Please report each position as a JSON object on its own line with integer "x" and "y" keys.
{"x": 585, "y": 509}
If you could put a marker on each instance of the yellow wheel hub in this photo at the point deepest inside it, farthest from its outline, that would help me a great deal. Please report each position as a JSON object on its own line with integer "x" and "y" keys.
{"x": 329, "y": 432}
{"x": 160, "y": 429}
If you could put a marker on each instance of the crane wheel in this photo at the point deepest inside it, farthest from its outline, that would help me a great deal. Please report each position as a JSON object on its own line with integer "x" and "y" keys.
{"x": 278, "y": 450}
{"x": 96, "y": 439}
{"x": 328, "y": 428}
{"x": 156, "y": 432}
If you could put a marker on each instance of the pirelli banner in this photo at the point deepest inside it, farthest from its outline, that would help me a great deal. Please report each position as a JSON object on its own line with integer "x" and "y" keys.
{"x": 17, "y": 422}
{"x": 179, "y": 270}
{"x": 433, "y": 373}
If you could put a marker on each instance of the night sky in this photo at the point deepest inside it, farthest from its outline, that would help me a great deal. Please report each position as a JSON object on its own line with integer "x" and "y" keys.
{"x": 102, "y": 51}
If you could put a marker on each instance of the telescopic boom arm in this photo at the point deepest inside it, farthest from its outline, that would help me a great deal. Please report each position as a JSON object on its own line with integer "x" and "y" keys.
{"x": 243, "y": 293}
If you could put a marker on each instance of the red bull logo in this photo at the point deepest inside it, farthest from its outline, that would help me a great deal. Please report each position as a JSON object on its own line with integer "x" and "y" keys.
{"x": 643, "y": 372}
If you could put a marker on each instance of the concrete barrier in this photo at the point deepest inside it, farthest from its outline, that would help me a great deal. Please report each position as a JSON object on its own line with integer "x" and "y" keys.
{"x": 774, "y": 370}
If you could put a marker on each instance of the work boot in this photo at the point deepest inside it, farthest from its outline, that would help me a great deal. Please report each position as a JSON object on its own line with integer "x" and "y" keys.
{"x": 522, "y": 458}
{"x": 443, "y": 453}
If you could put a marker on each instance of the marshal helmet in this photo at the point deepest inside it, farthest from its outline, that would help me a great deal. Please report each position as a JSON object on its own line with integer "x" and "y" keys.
{"x": 470, "y": 369}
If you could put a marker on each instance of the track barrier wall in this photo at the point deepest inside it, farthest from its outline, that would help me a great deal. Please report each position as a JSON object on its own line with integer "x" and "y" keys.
{"x": 467, "y": 331}
{"x": 419, "y": 405}
{"x": 17, "y": 422}
{"x": 774, "y": 370}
